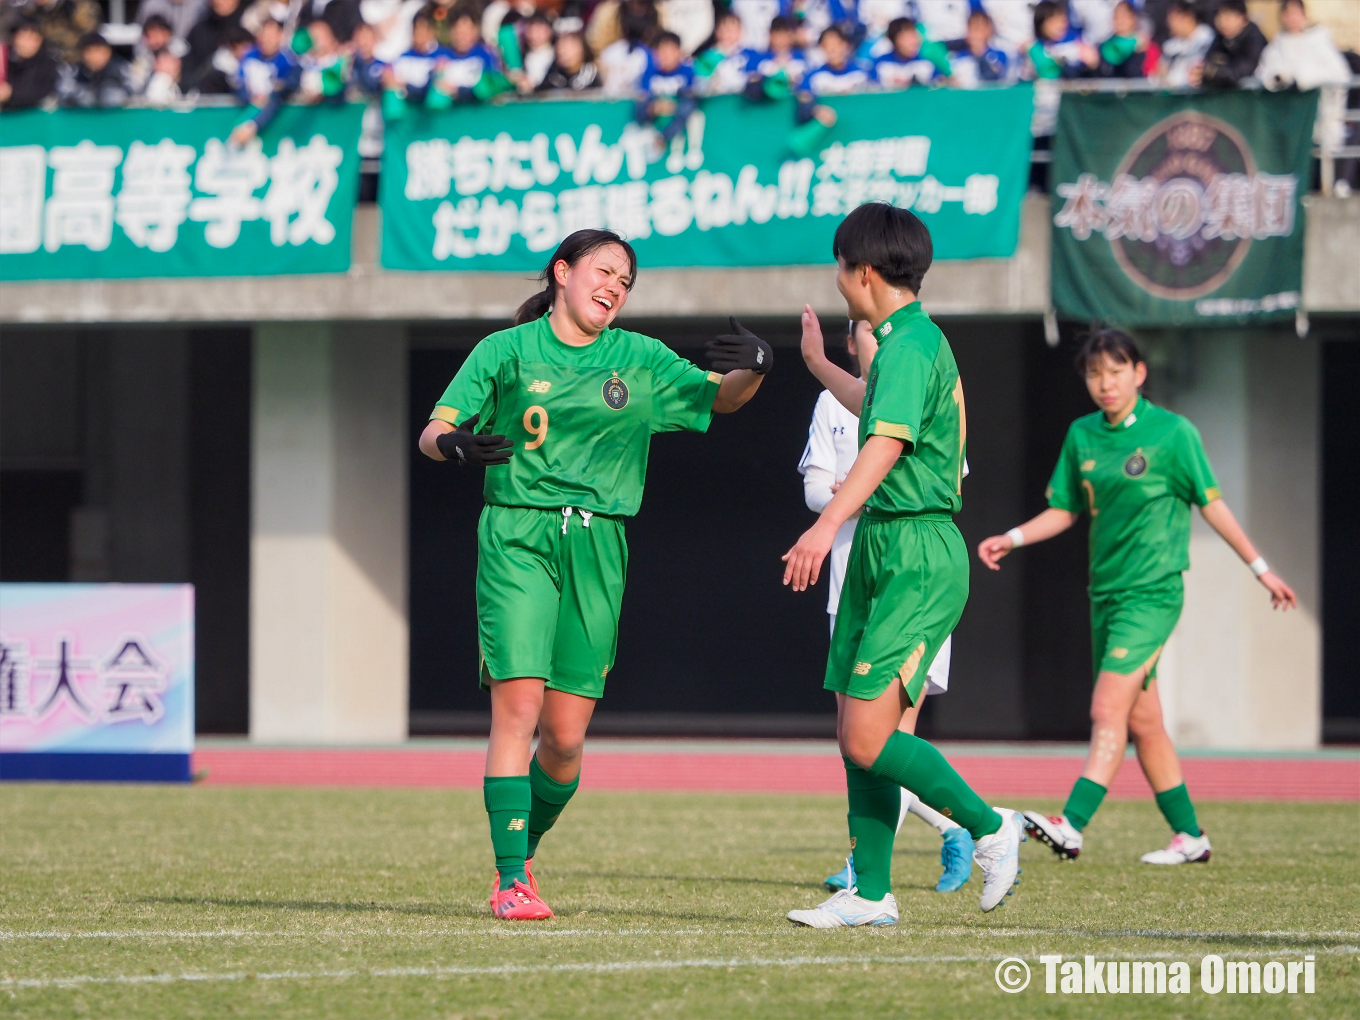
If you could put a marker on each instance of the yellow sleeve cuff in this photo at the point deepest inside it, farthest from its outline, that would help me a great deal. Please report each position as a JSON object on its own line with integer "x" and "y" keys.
{"x": 1210, "y": 494}
{"x": 442, "y": 413}
{"x": 715, "y": 377}
{"x": 892, "y": 431}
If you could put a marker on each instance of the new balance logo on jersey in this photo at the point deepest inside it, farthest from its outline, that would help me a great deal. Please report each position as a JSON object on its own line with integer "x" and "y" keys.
{"x": 516, "y": 825}
{"x": 862, "y": 668}
{"x": 539, "y": 386}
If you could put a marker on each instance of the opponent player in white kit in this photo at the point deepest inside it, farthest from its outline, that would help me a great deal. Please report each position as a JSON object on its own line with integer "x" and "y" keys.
{"x": 833, "y": 443}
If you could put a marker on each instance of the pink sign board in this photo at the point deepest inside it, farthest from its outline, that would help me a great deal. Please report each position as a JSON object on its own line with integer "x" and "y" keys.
{"x": 102, "y": 668}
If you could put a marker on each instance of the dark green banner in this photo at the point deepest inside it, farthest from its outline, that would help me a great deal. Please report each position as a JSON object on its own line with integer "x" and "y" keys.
{"x": 1180, "y": 210}
{"x": 497, "y": 187}
{"x": 108, "y": 194}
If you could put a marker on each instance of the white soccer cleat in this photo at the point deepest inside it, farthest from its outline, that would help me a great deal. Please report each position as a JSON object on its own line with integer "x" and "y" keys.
{"x": 998, "y": 855}
{"x": 1055, "y": 832}
{"x": 847, "y": 909}
{"x": 1183, "y": 849}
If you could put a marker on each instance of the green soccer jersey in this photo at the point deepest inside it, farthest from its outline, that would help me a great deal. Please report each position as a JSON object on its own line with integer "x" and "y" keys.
{"x": 1136, "y": 480}
{"x": 581, "y": 418}
{"x": 915, "y": 394}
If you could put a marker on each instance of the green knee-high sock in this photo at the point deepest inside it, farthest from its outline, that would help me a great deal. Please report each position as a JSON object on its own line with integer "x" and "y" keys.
{"x": 1178, "y": 811}
{"x": 507, "y": 801}
{"x": 874, "y": 805}
{"x": 1082, "y": 802}
{"x": 549, "y": 798}
{"x": 909, "y": 761}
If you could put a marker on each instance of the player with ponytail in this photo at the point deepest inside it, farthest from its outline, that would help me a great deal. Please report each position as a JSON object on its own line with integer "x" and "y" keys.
{"x": 560, "y": 409}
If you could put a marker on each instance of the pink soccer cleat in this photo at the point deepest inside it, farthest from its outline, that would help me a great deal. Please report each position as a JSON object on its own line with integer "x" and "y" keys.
{"x": 519, "y": 903}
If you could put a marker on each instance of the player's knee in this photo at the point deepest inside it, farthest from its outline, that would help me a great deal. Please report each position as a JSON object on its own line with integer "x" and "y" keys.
{"x": 563, "y": 743}
{"x": 1145, "y": 725}
{"x": 860, "y": 748}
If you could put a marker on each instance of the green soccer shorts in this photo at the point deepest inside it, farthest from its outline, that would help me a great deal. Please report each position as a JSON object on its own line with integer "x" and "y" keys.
{"x": 549, "y": 591}
{"x": 1129, "y": 629}
{"x": 905, "y": 588}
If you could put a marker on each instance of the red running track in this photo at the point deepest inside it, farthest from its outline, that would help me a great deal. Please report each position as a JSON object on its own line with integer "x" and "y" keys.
{"x": 998, "y": 776}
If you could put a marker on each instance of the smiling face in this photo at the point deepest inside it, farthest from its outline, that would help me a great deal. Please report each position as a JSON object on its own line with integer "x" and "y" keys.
{"x": 1114, "y": 385}
{"x": 595, "y": 288}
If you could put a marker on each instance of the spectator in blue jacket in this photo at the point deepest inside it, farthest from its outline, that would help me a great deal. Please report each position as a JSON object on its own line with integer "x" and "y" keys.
{"x": 840, "y": 74}
{"x": 912, "y": 59}
{"x": 667, "y": 87}
{"x": 269, "y": 74}
{"x": 470, "y": 71}
{"x": 978, "y": 59}
{"x": 415, "y": 71}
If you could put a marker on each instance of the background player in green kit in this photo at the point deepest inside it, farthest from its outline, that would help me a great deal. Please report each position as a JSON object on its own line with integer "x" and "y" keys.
{"x": 907, "y": 579}
{"x": 1134, "y": 468}
{"x": 576, "y": 402}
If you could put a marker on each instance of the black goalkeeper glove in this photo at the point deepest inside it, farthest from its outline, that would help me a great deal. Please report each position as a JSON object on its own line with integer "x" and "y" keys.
{"x": 464, "y": 446}
{"x": 740, "y": 349}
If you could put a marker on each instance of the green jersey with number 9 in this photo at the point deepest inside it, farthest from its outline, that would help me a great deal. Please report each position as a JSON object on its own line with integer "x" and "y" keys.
{"x": 581, "y": 418}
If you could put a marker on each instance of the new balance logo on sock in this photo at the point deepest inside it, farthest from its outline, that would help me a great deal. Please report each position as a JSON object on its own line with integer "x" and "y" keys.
{"x": 516, "y": 824}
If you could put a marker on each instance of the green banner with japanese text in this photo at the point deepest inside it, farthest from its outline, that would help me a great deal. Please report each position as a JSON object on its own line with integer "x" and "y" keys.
{"x": 1180, "y": 210}
{"x": 496, "y": 187}
{"x": 117, "y": 194}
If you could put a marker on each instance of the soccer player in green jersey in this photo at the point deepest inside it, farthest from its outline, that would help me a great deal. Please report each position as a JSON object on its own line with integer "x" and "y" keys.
{"x": 907, "y": 579}
{"x": 567, "y": 406}
{"x": 1134, "y": 469}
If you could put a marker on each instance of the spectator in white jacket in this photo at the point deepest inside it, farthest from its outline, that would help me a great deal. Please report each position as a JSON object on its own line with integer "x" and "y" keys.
{"x": 1303, "y": 56}
{"x": 1185, "y": 47}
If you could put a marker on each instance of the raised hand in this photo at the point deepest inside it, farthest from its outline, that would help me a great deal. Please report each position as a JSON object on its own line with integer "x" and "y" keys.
{"x": 814, "y": 344}
{"x": 740, "y": 349}
{"x": 464, "y": 446}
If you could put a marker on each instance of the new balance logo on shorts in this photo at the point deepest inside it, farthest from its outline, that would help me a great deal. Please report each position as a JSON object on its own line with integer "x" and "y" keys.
{"x": 516, "y": 824}
{"x": 862, "y": 668}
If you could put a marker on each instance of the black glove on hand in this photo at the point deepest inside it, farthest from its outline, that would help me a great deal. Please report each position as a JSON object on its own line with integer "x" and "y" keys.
{"x": 464, "y": 446}
{"x": 740, "y": 349}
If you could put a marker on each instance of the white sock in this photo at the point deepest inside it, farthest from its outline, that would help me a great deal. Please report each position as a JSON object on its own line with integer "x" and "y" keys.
{"x": 911, "y": 804}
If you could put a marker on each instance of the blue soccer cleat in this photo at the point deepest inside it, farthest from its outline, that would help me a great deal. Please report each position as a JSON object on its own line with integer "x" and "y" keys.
{"x": 842, "y": 879}
{"x": 957, "y": 857}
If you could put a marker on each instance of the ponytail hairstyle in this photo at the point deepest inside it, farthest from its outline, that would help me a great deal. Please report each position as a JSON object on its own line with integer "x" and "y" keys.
{"x": 574, "y": 247}
{"x": 1114, "y": 343}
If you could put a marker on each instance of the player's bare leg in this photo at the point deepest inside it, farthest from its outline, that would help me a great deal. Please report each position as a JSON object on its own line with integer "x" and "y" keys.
{"x": 1112, "y": 704}
{"x": 1157, "y": 756}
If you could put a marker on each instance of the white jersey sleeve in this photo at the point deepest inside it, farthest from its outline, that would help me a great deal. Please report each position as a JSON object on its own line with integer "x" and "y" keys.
{"x": 818, "y": 463}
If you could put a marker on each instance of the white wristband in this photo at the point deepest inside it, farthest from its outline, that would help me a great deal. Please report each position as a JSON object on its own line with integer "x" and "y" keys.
{"x": 1259, "y": 566}
{"x": 1017, "y": 537}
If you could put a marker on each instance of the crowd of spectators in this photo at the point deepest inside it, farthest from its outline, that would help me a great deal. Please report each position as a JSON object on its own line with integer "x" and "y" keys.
{"x": 666, "y": 55}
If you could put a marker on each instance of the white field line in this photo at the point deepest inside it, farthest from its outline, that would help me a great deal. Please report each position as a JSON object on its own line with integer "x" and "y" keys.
{"x": 604, "y": 967}
{"x": 521, "y": 932}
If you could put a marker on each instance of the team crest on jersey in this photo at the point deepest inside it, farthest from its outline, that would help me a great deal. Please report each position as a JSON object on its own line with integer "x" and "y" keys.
{"x": 1136, "y": 465}
{"x": 615, "y": 393}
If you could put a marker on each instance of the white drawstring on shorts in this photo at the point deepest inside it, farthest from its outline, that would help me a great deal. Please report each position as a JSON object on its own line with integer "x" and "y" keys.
{"x": 567, "y": 511}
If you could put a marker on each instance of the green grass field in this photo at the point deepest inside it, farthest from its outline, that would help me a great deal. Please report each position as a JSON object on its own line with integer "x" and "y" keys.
{"x": 215, "y": 902}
